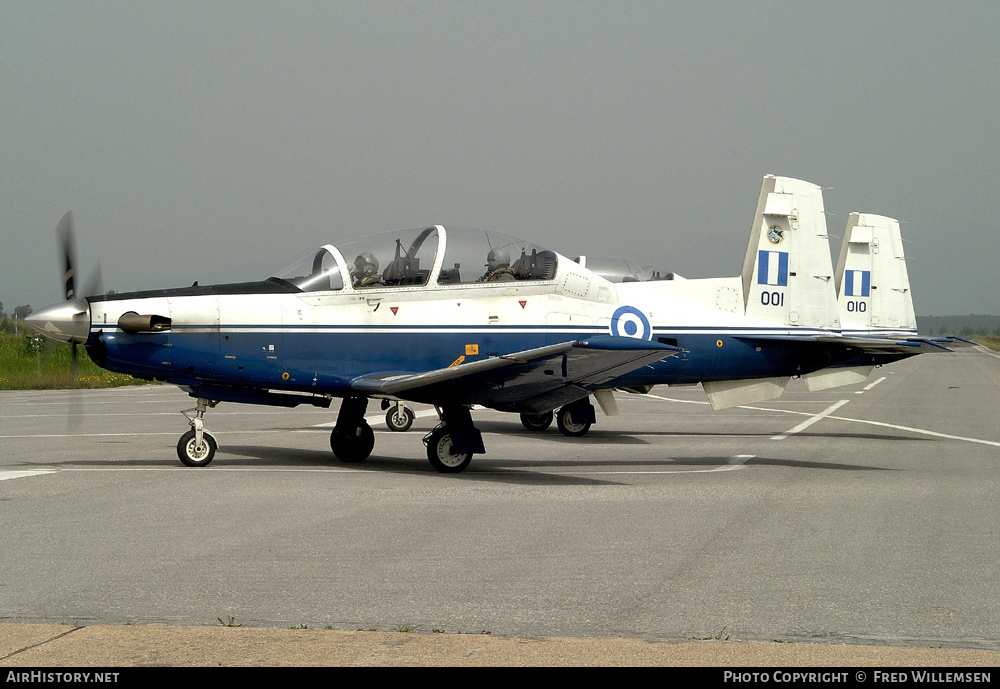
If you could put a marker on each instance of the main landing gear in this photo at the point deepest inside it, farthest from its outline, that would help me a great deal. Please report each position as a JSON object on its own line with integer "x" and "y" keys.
{"x": 352, "y": 439}
{"x": 197, "y": 447}
{"x": 573, "y": 420}
{"x": 450, "y": 446}
{"x": 536, "y": 423}
{"x": 452, "y": 443}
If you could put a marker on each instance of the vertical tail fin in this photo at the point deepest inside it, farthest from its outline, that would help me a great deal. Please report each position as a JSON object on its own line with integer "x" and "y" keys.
{"x": 787, "y": 271}
{"x": 873, "y": 287}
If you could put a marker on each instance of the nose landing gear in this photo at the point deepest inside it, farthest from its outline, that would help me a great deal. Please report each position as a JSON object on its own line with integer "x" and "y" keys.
{"x": 399, "y": 417}
{"x": 197, "y": 447}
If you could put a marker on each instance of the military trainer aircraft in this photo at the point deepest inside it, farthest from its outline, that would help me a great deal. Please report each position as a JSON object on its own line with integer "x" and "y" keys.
{"x": 457, "y": 317}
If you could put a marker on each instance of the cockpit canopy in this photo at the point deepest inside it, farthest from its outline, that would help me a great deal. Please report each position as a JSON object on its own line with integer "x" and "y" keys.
{"x": 410, "y": 258}
{"x": 624, "y": 270}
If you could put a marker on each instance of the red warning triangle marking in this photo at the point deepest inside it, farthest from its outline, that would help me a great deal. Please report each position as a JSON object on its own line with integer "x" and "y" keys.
{"x": 394, "y": 309}
{"x": 522, "y": 303}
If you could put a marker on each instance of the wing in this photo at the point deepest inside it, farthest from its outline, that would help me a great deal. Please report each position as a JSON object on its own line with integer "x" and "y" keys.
{"x": 531, "y": 381}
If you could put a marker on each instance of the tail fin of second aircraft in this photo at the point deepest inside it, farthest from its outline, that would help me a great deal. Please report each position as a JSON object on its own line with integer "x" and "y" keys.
{"x": 873, "y": 287}
{"x": 787, "y": 271}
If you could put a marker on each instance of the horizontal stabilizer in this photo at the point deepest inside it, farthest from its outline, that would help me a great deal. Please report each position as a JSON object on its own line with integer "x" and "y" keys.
{"x": 891, "y": 345}
{"x": 871, "y": 345}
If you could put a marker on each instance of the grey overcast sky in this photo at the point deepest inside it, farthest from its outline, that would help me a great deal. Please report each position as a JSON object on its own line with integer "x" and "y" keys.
{"x": 220, "y": 141}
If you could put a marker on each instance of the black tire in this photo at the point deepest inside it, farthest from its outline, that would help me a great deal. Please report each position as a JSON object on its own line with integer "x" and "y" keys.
{"x": 399, "y": 421}
{"x": 536, "y": 423}
{"x": 194, "y": 456}
{"x": 353, "y": 447}
{"x": 439, "y": 452}
{"x": 567, "y": 427}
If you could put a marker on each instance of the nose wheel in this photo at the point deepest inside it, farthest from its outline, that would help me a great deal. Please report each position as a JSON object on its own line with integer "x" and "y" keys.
{"x": 399, "y": 418}
{"x": 194, "y": 453}
{"x": 197, "y": 447}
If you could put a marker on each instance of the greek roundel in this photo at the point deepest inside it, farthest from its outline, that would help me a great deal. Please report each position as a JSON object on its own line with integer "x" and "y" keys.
{"x": 629, "y": 321}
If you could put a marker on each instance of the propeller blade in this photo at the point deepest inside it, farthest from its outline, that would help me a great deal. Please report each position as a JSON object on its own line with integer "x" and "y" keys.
{"x": 64, "y": 230}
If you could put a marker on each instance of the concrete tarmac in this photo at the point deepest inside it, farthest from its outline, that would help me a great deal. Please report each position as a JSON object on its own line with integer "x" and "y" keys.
{"x": 851, "y": 527}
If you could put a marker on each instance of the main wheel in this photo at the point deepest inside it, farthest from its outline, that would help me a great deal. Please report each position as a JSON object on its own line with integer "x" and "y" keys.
{"x": 442, "y": 455}
{"x": 567, "y": 425}
{"x": 194, "y": 455}
{"x": 353, "y": 447}
{"x": 537, "y": 422}
{"x": 399, "y": 418}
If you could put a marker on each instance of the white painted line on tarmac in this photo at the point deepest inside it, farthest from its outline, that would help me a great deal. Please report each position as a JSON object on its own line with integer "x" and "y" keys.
{"x": 869, "y": 386}
{"x": 911, "y": 429}
{"x": 811, "y": 420}
{"x": 5, "y": 475}
{"x": 922, "y": 431}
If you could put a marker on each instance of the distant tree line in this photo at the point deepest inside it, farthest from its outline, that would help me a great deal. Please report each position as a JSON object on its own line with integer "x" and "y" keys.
{"x": 8, "y": 324}
{"x": 963, "y": 326}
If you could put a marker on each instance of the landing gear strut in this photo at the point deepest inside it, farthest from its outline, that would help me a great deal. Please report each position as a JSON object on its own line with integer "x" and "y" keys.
{"x": 197, "y": 447}
{"x": 352, "y": 439}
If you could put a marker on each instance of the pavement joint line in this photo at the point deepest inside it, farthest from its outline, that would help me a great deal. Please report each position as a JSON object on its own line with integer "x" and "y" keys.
{"x": 43, "y": 642}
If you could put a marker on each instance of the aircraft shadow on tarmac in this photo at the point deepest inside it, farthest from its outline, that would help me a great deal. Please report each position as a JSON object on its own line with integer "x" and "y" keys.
{"x": 522, "y": 470}
{"x": 598, "y": 436}
{"x": 513, "y": 470}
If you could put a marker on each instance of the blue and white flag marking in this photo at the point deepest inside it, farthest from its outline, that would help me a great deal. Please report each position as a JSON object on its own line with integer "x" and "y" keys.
{"x": 857, "y": 283}
{"x": 772, "y": 268}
